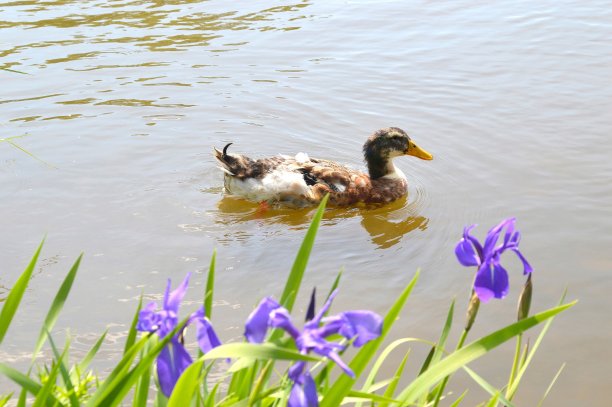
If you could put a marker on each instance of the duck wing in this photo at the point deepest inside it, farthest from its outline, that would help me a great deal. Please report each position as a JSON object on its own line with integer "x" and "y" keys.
{"x": 345, "y": 185}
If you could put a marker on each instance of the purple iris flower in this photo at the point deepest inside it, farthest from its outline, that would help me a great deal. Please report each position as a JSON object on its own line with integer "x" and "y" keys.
{"x": 363, "y": 326}
{"x": 491, "y": 278}
{"x": 174, "y": 359}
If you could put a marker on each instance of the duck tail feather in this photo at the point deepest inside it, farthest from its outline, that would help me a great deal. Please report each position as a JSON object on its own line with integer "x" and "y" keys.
{"x": 231, "y": 164}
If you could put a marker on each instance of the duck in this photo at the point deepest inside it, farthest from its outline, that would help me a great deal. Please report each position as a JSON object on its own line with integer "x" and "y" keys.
{"x": 303, "y": 181}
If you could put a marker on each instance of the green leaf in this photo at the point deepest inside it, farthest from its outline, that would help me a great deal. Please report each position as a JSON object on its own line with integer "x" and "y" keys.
{"x": 45, "y": 395}
{"x": 380, "y": 360}
{"x": 186, "y": 386}
{"x": 369, "y": 396}
{"x": 74, "y": 401}
{"x": 4, "y": 399}
{"x": 118, "y": 373}
{"x": 525, "y": 364}
{"x": 439, "y": 348}
{"x": 141, "y": 393}
{"x": 459, "y": 400}
{"x": 395, "y": 380}
{"x": 265, "y": 351}
{"x": 473, "y": 351}
{"x": 14, "y": 298}
{"x": 210, "y": 286}
{"x": 344, "y": 383}
{"x": 259, "y": 384}
{"x": 131, "y": 338}
{"x": 550, "y": 386}
{"x": 494, "y": 400}
{"x": 84, "y": 364}
{"x": 487, "y": 387}
{"x": 57, "y": 305}
{"x": 22, "y": 380}
{"x": 22, "y": 398}
{"x": 336, "y": 283}
{"x": 294, "y": 280}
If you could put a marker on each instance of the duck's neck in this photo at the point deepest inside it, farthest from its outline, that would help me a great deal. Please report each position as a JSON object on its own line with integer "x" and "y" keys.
{"x": 382, "y": 167}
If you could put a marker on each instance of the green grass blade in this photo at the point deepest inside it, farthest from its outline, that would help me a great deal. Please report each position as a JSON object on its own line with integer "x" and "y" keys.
{"x": 294, "y": 280}
{"x": 380, "y": 360}
{"x": 74, "y": 401}
{"x": 264, "y": 351}
{"x": 390, "y": 390}
{"x": 118, "y": 372}
{"x": 444, "y": 335}
{"x": 22, "y": 398}
{"x": 210, "y": 398}
{"x": 473, "y": 351}
{"x": 517, "y": 380}
{"x": 4, "y": 399}
{"x": 361, "y": 396}
{"x": 344, "y": 383}
{"x": 487, "y": 387}
{"x": 550, "y": 386}
{"x": 459, "y": 400}
{"x": 336, "y": 282}
{"x": 57, "y": 305}
{"x": 186, "y": 386}
{"x": 141, "y": 393}
{"x": 25, "y": 382}
{"x": 259, "y": 383}
{"x": 210, "y": 286}
{"x": 45, "y": 395}
{"x": 84, "y": 364}
{"x": 14, "y": 298}
{"x": 494, "y": 400}
{"x": 439, "y": 349}
{"x": 131, "y": 338}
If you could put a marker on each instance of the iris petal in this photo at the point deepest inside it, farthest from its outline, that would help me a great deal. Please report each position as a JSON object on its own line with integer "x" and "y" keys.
{"x": 317, "y": 319}
{"x": 173, "y": 299}
{"x": 257, "y": 323}
{"x": 526, "y": 266}
{"x": 364, "y": 325}
{"x": 466, "y": 254}
{"x": 148, "y": 320}
{"x": 493, "y": 236}
{"x": 297, "y": 398}
{"x": 171, "y": 363}
{"x": 310, "y": 391}
{"x": 491, "y": 282}
{"x": 207, "y": 337}
{"x": 280, "y": 318}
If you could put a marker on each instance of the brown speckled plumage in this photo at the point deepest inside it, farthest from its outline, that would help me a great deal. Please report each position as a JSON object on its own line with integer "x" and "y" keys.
{"x": 305, "y": 181}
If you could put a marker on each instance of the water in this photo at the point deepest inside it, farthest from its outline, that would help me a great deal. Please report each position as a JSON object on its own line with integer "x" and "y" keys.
{"x": 122, "y": 101}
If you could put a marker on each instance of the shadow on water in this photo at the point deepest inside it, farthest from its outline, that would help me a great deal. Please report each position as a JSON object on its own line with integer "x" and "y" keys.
{"x": 385, "y": 224}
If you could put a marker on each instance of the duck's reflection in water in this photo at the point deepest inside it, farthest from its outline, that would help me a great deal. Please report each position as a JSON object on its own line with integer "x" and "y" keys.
{"x": 386, "y": 224}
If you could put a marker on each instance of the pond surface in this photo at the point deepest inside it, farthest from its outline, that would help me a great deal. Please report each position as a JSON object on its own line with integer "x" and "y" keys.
{"x": 119, "y": 104}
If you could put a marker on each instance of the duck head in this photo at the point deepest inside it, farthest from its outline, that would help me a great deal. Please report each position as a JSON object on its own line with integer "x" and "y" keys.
{"x": 386, "y": 144}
